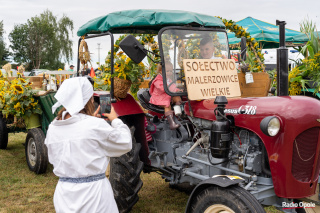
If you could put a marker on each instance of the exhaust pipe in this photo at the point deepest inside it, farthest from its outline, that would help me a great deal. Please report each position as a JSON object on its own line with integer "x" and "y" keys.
{"x": 282, "y": 62}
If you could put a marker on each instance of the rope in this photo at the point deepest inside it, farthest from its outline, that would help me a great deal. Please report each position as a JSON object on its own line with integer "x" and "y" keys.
{"x": 299, "y": 153}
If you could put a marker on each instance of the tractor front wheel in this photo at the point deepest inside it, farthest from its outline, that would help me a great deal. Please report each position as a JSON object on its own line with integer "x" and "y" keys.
{"x": 125, "y": 177}
{"x": 36, "y": 151}
{"x": 233, "y": 199}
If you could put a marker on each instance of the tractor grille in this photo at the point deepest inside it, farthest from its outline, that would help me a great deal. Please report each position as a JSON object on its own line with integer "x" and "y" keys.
{"x": 304, "y": 153}
{"x": 316, "y": 174}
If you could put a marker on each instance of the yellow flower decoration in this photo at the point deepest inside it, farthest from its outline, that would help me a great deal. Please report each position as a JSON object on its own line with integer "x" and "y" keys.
{"x": 18, "y": 88}
{"x": 17, "y": 106}
{"x": 22, "y": 80}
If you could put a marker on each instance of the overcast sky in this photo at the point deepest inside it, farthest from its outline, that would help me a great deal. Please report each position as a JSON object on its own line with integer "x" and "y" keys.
{"x": 293, "y": 12}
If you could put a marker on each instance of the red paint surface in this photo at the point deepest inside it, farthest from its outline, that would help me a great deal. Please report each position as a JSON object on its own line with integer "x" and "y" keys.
{"x": 127, "y": 106}
{"x": 296, "y": 115}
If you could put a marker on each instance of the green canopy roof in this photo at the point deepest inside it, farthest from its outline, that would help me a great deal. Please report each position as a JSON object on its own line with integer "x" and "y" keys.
{"x": 135, "y": 21}
{"x": 263, "y": 32}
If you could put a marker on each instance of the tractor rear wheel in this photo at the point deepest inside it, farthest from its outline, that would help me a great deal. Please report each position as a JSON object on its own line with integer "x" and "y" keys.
{"x": 36, "y": 151}
{"x": 233, "y": 199}
{"x": 3, "y": 133}
{"x": 125, "y": 177}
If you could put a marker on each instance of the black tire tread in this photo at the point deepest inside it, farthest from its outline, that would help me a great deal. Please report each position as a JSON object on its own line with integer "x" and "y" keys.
{"x": 302, "y": 210}
{"x": 125, "y": 178}
{"x": 42, "y": 153}
{"x": 257, "y": 207}
{"x": 234, "y": 197}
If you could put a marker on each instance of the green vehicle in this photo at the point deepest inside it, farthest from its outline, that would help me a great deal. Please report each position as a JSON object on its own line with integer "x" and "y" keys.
{"x": 36, "y": 127}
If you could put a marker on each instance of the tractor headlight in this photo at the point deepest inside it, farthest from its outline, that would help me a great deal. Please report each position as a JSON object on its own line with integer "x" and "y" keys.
{"x": 270, "y": 125}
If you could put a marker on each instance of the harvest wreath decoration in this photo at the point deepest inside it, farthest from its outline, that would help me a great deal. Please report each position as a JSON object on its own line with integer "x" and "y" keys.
{"x": 252, "y": 45}
{"x": 84, "y": 54}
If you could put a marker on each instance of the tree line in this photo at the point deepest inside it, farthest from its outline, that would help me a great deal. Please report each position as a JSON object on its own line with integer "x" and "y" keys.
{"x": 42, "y": 42}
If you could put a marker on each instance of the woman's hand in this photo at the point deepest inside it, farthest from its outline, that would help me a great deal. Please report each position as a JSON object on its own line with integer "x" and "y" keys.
{"x": 96, "y": 113}
{"x": 112, "y": 115}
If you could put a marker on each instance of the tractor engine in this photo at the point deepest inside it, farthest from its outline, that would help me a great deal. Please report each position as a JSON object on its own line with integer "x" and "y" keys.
{"x": 241, "y": 148}
{"x": 246, "y": 153}
{"x": 237, "y": 148}
{"x": 217, "y": 142}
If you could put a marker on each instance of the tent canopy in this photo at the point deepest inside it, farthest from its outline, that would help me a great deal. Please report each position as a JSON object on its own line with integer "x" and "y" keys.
{"x": 136, "y": 21}
{"x": 266, "y": 33}
{"x": 303, "y": 37}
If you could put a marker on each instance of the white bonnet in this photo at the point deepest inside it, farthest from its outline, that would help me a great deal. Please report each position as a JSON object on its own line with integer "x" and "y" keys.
{"x": 73, "y": 94}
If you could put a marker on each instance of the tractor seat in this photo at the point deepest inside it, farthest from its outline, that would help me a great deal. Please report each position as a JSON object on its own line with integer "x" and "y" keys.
{"x": 144, "y": 98}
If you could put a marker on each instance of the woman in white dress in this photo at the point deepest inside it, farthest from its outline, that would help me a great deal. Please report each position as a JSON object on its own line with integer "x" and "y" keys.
{"x": 79, "y": 148}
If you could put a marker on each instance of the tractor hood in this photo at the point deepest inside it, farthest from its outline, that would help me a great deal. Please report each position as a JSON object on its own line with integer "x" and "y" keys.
{"x": 248, "y": 112}
{"x": 297, "y": 139}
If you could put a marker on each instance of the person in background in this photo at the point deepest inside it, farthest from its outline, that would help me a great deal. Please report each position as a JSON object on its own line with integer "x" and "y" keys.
{"x": 71, "y": 68}
{"x": 161, "y": 98}
{"x": 79, "y": 148}
{"x": 207, "y": 48}
{"x": 88, "y": 70}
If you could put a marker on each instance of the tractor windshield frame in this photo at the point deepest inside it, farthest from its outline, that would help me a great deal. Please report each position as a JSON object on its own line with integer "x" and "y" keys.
{"x": 163, "y": 56}
{"x": 113, "y": 100}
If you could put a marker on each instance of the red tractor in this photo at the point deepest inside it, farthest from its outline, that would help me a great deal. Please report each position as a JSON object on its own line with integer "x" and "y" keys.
{"x": 239, "y": 153}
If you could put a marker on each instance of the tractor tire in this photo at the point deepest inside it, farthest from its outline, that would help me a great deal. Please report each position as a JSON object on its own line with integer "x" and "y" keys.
{"x": 3, "y": 133}
{"x": 299, "y": 210}
{"x": 125, "y": 177}
{"x": 182, "y": 187}
{"x": 233, "y": 199}
{"x": 36, "y": 151}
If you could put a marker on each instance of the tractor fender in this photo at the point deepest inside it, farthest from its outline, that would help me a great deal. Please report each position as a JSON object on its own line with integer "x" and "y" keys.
{"x": 123, "y": 106}
{"x": 130, "y": 112}
{"x": 223, "y": 181}
{"x": 138, "y": 122}
{"x": 127, "y": 106}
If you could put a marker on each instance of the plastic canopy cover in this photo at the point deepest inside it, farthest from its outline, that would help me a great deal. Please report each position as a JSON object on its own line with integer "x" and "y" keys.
{"x": 136, "y": 21}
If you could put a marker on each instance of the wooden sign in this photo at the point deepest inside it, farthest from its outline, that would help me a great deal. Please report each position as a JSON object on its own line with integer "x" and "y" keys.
{"x": 208, "y": 78}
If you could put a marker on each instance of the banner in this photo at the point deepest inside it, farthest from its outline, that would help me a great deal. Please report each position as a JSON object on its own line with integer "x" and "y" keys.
{"x": 208, "y": 78}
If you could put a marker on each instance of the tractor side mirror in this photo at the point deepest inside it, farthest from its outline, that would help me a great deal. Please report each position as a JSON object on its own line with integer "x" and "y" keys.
{"x": 131, "y": 46}
{"x": 243, "y": 45}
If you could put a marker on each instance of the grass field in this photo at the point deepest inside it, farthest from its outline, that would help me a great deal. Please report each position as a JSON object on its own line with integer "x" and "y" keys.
{"x": 23, "y": 191}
